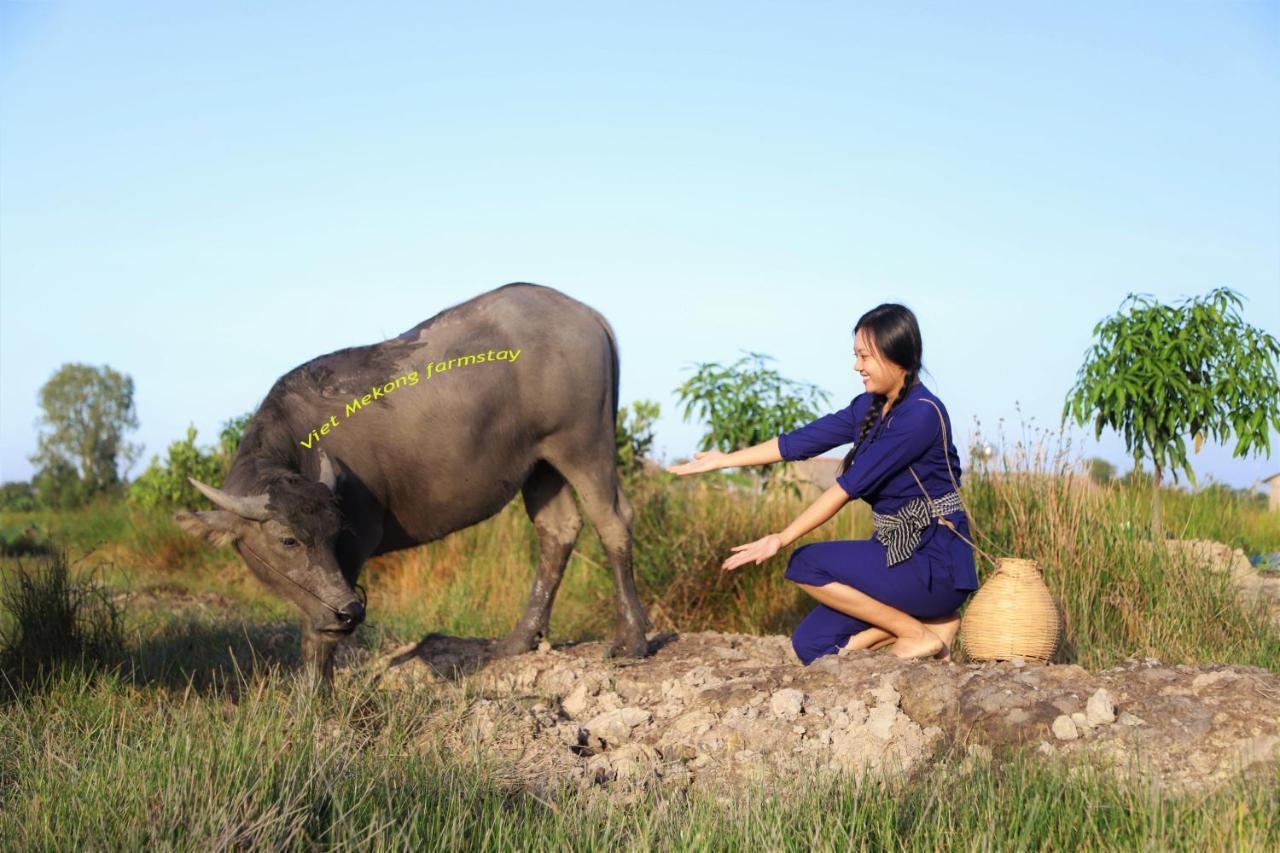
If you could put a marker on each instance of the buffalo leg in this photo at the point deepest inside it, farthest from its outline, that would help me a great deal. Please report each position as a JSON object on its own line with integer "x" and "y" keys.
{"x": 317, "y": 658}
{"x": 555, "y": 517}
{"x": 611, "y": 514}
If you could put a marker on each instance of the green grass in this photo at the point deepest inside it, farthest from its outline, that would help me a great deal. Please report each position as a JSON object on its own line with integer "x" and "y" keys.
{"x": 102, "y": 762}
{"x": 186, "y": 731}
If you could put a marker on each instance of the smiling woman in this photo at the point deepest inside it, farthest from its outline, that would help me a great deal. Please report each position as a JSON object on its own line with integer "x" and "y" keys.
{"x": 910, "y": 573}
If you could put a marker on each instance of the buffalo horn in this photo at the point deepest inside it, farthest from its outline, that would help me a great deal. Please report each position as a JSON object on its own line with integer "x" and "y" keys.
{"x": 253, "y": 508}
{"x": 326, "y": 472}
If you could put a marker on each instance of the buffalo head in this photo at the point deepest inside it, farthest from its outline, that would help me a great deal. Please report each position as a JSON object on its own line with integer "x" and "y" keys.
{"x": 286, "y": 538}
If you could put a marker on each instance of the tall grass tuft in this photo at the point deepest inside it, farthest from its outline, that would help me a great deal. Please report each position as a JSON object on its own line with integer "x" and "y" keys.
{"x": 51, "y": 618}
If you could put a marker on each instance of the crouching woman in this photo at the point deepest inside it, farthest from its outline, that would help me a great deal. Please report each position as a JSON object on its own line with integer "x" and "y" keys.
{"x": 906, "y": 584}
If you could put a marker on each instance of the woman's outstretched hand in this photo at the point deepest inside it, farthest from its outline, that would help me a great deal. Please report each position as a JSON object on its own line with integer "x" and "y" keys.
{"x": 757, "y": 552}
{"x": 703, "y": 461}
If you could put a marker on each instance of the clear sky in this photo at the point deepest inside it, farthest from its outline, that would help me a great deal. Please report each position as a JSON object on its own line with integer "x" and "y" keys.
{"x": 206, "y": 195}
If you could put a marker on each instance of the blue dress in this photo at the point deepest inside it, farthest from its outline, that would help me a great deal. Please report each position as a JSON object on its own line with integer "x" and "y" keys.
{"x": 940, "y": 574}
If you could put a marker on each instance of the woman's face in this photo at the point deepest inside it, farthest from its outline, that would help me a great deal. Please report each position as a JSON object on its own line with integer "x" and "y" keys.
{"x": 878, "y": 374}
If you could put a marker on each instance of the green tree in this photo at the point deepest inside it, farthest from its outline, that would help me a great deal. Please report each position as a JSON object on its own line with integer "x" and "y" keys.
{"x": 1157, "y": 373}
{"x": 86, "y": 411}
{"x": 747, "y": 403}
{"x": 634, "y": 435}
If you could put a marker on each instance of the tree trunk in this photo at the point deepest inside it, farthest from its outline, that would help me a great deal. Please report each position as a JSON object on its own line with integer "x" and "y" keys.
{"x": 1157, "y": 527}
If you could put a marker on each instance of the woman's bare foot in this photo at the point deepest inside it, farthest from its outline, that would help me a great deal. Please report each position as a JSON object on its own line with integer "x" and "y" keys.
{"x": 945, "y": 627}
{"x": 926, "y": 644}
{"x": 872, "y": 638}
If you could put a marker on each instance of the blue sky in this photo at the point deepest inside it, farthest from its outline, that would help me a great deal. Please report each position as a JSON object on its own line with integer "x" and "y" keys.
{"x": 205, "y": 197}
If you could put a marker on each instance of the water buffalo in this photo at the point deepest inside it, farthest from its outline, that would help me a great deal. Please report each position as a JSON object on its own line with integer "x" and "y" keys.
{"x": 376, "y": 448}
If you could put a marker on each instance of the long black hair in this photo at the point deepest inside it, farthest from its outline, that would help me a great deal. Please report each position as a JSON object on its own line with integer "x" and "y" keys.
{"x": 895, "y": 334}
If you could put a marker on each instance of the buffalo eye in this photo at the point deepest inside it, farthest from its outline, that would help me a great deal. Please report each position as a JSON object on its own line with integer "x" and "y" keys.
{"x": 289, "y": 542}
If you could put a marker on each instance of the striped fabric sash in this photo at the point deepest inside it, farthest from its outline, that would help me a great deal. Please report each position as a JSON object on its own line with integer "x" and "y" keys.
{"x": 900, "y": 532}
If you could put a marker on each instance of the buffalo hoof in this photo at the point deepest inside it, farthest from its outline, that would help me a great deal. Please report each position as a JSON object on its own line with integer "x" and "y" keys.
{"x": 635, "y": 647}
{"x": 514, "y": 644}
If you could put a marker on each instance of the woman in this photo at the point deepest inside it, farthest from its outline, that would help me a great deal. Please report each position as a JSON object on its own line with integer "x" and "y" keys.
{"x": 906, "y": 584}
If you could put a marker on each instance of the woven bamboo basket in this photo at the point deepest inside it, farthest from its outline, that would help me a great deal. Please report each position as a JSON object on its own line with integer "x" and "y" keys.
{"x": 1012, "y": 615}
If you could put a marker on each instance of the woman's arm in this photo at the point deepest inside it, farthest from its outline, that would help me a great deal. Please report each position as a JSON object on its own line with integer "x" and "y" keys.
{"x": 709, "y": 460}
{"x": 827, "y": 505}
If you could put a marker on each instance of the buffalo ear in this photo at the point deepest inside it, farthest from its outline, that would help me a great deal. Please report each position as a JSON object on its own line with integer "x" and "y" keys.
{"x": 217, "y": 527}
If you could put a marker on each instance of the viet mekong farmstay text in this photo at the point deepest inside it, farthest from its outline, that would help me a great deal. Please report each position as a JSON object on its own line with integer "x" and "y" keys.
{"x": 377, "y": 392}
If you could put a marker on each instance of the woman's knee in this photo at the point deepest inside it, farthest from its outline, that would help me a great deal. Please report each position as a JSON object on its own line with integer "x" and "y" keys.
{"x": 823, "y": 632}
{"x": 802, "y": 569}
{"x": 945, "y": 603}
{"x": 808, "y": 649}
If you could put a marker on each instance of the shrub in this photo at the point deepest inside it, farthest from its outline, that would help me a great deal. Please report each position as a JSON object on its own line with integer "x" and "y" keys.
{"x": 18, "y": 496}
{"x": 28, "y": 540}
{"x": 633, "y": 435}
{"x": 164, "y": 486}
{"x": 50, "y": 618}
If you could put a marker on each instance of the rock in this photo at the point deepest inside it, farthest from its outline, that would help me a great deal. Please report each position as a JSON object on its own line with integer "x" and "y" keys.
{"x": 1259, "y": 748}
{"x": 544, "y": 647}
{"x": 1064, "y": 728}
{"x": 614, "y": 727}
{"x": 633, "y": 760}
{"x": 694, "y": 722}
{"x": 676, "y": 774}
{"x": 880, "y": 721}
{"x": 1204, "y": 679}
{"x": 1100, "y": 709}
{"x": 787, "y": 703}
{"x": 885, "y": 694}
{"x": 1080, "y": 720}
{"x": 599, "y": 769}
{"x": 1127, "y": 719}
{"x": 1018, "y": 715}
{"x": 610, "y": 701}
{"x": 576, "y": 702}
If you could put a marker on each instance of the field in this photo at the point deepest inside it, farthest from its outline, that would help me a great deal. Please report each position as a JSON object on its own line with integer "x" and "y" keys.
{"x": 165, "y": 710}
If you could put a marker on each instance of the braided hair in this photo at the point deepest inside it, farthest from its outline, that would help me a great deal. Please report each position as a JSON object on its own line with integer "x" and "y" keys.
{"x": 893, "y": 331}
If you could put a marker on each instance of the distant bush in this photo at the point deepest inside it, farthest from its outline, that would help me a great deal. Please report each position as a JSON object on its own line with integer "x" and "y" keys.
{"x": 58, "y": 485}
{"x": 165, "y": 485}
{"x": 28, "y": 540}
{"x": 633, "y": 435}
{"x": 18, "y": 496}
{"x": 1100, "y": 470}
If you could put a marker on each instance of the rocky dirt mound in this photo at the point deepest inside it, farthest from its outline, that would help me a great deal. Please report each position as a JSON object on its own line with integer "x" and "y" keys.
{"x": 710, "y": 710}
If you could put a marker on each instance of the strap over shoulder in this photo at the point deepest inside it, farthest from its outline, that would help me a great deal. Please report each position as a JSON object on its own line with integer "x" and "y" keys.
{"x": 945, "y": 455}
